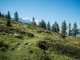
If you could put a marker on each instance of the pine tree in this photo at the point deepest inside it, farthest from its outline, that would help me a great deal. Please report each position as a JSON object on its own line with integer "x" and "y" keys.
{"x": 0, "y": 14}
{"x": 53, "y": 28}
{"x": 8, "y": 16}
{"x": 48, "y": 26}
{"x": 16, "y": 16}
{"x": 75, "y": 29}
{"x": 42, "y": 24}
{"x": 57, "y": 28}
{"x": 8, "y": 23}
{"x": 33, "y": 21}
{"x": 64, "y": 27}
{"x": 69, "y": 29}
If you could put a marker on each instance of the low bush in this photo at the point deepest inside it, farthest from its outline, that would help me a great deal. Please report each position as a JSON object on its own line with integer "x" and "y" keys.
{"x": 44, "y": 45}
{"x": 3, "y": 46}
{"x": 67, "y": 50}
{"x": 30, "y": 34}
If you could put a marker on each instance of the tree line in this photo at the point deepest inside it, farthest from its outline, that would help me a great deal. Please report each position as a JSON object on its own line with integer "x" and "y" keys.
{"x": 55, "y": 27}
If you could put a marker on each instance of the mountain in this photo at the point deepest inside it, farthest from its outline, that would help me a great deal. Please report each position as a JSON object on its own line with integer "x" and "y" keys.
{"x": 27, "y": 20}
{"x": 24, "y": 20}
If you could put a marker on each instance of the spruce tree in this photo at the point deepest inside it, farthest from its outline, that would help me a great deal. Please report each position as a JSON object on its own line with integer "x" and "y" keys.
{"x": 75, "y": 29}
{"x": 42, "y": 24}
{"x": 33, "y": 21}
{"x": 57, "y": 28}
{"x": 48, "y": 26}
{"x": 8, "y": 15}
{"x": 53, "y": 28}
{"x": 69, "y": 29}
{"x": 64, "y": 28}
{"x": 8, "y": 23}
{"x": 16, "y": 16}
{"x": 0, "y": 14}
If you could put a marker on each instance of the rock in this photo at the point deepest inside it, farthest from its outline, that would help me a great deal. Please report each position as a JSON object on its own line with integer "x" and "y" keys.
{"x": 25, "y": 43}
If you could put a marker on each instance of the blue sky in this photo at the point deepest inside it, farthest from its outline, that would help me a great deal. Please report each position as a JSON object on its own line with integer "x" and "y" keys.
{"x": 48, "y": 10}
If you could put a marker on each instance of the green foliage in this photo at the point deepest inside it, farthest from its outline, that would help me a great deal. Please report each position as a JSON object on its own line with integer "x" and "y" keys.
{"x": 16, "y": 16}
{"x": 33, "y": 21}
{"x": 75, "y": 29}
{"x": 53, "y": 47}
{"x": 30, "y": 34}
{"x": 64, "y": 27}
{"x": 67, "y": 50}
{"x": 8, "y": 16}
{"x": 3, "y": 46}
{"x": 0, "y": 14}
{"x": 42, "y": 24}
{"x": 55, "y": 27}
{"x": 8, "y": 23}
{"x": 48, "y": 26}
{"x": 69, "y": 28}
{"x": 43, "y": 44}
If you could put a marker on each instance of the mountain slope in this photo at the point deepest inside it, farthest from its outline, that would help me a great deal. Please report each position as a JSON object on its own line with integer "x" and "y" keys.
{"x": 28, "y": 42}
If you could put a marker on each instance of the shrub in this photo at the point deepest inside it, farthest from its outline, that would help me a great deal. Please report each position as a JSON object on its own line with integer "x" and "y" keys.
{"x": 30, "y": 34}
{"x": 3, "y": 46}
{"x": 67, "y": 50}
{"x": 44, "y": 45}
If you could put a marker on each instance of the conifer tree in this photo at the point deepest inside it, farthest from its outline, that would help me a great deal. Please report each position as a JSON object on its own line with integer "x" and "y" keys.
{"x": 64, "y": 27}
{"x": 57, "y": 28}
{"x": 48, "y": 26}
{"x": 75, "y": 29}
{"x": 16, "y": 16}
{"x": 53, "y": 28}
{"x": 8, "y": 16}
{"x": 0, "y": 14}
{"x": 8, "y": 23}
{"x": 42, "y": 24}
{"x": 33, "y": 21}
{"x": 69, "y": 29}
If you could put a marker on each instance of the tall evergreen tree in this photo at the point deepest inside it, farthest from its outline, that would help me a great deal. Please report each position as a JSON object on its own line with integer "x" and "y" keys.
{"x": 48, "y": 26}
{"x": 75, "y": 29}
{"x": 42, "y": 24}
{"x": 64, "y": 27}
{"x": 69, "y": 29}
{"x": 8, "y": 16}
{"x": 16, "y": 16}
{"x": 0, "y": 14}
{"x": 53, "y": 28}
{"x": 57, "y": 28}
{"x": 8, "y": 23}
{"x": 33, "y": 21}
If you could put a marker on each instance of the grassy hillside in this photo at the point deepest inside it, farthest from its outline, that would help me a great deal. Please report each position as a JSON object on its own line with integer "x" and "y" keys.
{"x": 28, "y": 42}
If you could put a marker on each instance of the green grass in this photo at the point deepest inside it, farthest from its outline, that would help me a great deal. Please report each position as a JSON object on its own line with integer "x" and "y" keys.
{"x": 19, "y": 51}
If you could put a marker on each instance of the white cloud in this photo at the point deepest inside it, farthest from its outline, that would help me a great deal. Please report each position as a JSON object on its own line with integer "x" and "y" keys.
{"x": 78, "y": 26}
{"x": 37, "y": 22}
{"x": 27, "y": 18}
